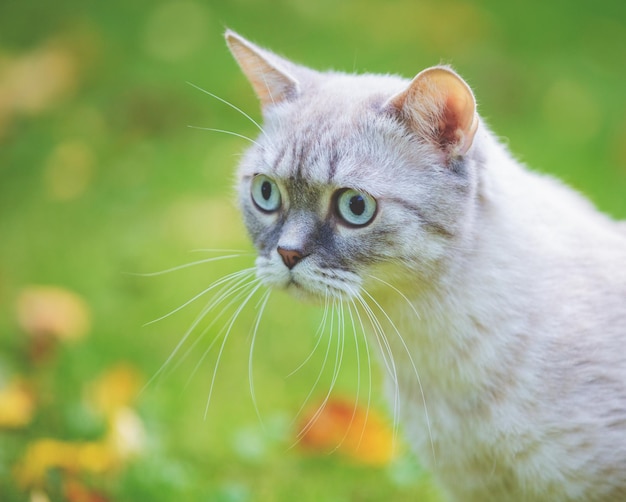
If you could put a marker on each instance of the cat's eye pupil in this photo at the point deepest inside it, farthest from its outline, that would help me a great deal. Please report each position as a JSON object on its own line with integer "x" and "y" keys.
{"x": 265, "y": 194}
{"x": 266, "y": 190}
{"x": 355, "y": 208}
{"x": 357, "y": 205}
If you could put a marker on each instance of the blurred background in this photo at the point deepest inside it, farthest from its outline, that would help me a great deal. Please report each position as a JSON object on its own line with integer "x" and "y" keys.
{"x": 102, "y": 180}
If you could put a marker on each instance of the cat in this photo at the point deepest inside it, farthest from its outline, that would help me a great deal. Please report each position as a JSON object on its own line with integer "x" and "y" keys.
{"x": 501, "y": 293}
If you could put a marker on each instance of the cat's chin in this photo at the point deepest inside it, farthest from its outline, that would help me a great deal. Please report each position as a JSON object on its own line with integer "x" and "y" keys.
{"x": 310, "y": 283}
{"x": 312, "y": 295}
{"x": 304, "y": 294}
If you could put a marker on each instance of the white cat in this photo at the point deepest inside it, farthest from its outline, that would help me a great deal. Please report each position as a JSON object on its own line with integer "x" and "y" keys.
{"x": 502, "y": 293}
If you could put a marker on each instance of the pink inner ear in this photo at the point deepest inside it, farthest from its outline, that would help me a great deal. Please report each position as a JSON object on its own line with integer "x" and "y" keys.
{"x": 440, "y": 106}
{"x": 270, "y": 82}
{"x": 457, "y": 124}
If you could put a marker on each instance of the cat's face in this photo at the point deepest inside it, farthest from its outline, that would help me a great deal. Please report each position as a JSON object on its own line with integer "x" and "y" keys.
{"x": 340, "y": 185}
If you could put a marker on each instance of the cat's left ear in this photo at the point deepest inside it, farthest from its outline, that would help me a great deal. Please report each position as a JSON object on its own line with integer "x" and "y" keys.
{"x": 272, "y": 77}
{"x": 439, "y": 106}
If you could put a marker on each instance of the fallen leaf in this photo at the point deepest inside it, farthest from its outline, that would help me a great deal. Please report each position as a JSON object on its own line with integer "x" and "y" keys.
{"x": 34, "y": 81}
{"x": 45, "y": 454}
{"x": 359, "y": 434}
{"x": 17, "y": 405}
{"x": 77, "y": 492}
{"x": 49, "y": 314}
{"x": 116, "y": 389}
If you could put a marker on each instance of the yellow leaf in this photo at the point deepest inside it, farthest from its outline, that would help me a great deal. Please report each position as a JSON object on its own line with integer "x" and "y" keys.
{"x": 17, "y": 406}
{"x": 46, "y": 454}
{"x": 36, "y": 80}
{"x": 115, "y": 389}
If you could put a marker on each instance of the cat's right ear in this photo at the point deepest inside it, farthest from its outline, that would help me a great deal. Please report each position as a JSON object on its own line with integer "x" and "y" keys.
{"x": 440, "y": 107}
{"x": 271, "y": 77}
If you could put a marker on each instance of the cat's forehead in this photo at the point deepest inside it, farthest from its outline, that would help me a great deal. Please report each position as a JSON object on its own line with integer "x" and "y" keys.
{"x": 326, "y": 136}
{"x": 323, "y": 153}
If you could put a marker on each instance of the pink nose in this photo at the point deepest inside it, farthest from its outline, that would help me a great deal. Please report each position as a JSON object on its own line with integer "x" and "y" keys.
{"x": 290, "y": 257}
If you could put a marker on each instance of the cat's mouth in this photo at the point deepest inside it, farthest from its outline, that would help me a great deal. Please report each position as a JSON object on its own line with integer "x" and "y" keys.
{"x": 309, "y": 282}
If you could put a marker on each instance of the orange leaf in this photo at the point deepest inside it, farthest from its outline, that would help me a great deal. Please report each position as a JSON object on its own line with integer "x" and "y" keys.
{"x": 50, "y": 311}
{"x": 77, "y": 492}
{"x": 360, "y": 434}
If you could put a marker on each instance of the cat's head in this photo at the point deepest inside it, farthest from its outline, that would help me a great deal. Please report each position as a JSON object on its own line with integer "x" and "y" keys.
{"x": 354, "y": 173}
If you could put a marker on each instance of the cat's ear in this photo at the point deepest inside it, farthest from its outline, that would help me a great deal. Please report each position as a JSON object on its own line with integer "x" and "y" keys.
{"x": 271, "y": 76}
{"x": 439, "y": 106}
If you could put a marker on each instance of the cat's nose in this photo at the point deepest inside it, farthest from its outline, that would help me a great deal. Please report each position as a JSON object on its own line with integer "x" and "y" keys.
{"x": 290, "y": 257}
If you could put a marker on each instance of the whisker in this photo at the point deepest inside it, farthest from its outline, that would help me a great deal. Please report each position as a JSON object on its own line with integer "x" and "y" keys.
{"x": 369, "y": 362}
{"x": 358, "y": 386}
{"x": 400, "y": 293}
{"x": 233, "y": 277}
{"x": 419, "y": 380}
{"x": 319, "y": 375}
{"x": 224, "y": 131}
{"x": 318, "y": 335}
{"x": 269, "y": 90}
{"x": 388, "y": 359}
{"x": 221, "y": 351}
{"x": 380, "y": 337}
{"x": 241, "y": 252}
{"x": 255, "y": 330}
{"x": 336, "y": 370}
{"x": 219, "y": 282}
{"x": 236, "y": 108}
{"x": 236, "y": 291}
{"x": 187, "y": 265}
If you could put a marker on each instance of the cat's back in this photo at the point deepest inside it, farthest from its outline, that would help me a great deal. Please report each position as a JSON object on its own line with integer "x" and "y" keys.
{"x": 547, "y": 273}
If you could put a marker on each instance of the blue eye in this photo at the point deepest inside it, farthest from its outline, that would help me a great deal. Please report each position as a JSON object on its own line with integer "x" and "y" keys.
{"x": 356, "y": 208}
{"x": 265, "y": 193}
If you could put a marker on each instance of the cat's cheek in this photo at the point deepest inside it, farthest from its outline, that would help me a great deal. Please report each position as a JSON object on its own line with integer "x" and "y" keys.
{"x": 272, "y": 274}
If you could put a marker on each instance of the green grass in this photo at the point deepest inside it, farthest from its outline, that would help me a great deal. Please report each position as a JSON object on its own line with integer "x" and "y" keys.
{"x": 106, "y": 179}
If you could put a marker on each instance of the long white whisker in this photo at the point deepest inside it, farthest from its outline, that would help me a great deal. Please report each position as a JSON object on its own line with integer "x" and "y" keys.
{"x": 419, "y": 380}
{"x": 241, "y": 252}
{"x": 358, "y": 385}
{"x": 324, "y": 362}
{"x": 400, "y": 293}
{"x": 187, "y": 265}
{"x": 229, "y": 104}
{"x": 224, "y": 131}
{"x": 380, "y": 337}
{"x": 237, "y": 292}
{"x": 221, "y": 351}
{"x": 318, "y": 335}
{"x": 250, "y": 357}
{"x": 336, "y": 370}
{"x": 385, "y": 348}
{"x": 269, "y": 90}
{"x": 217, "y": 283}
{"x": 369, "y": 362}
{"x": 198, "y": 319}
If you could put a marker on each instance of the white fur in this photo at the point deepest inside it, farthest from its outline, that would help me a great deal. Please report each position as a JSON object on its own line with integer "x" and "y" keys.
{"x": 517, "y": 285}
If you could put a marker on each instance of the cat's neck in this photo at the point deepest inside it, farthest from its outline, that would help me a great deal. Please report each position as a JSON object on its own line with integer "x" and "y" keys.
{"x": 472, "y": 319}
